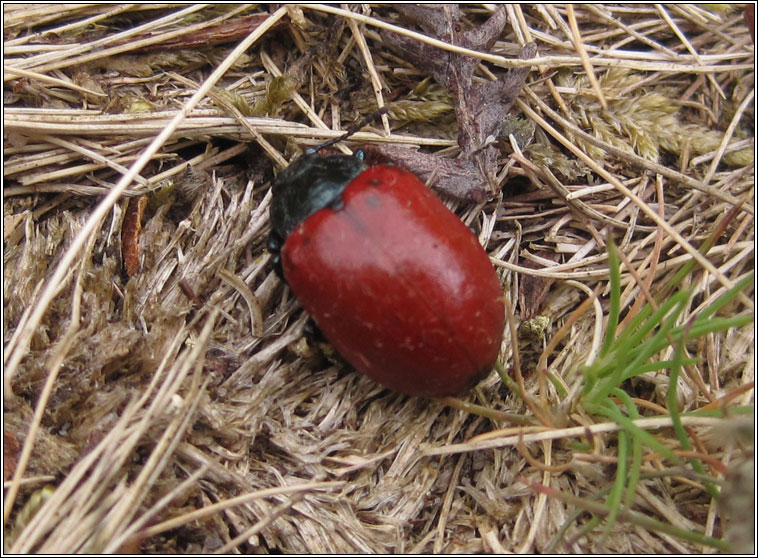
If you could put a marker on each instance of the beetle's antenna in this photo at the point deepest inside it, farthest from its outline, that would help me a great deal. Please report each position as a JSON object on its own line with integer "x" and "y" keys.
{"x": 352, "y": 130}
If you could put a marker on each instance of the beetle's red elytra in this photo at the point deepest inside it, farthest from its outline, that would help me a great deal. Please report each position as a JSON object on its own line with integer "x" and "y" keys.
{"x": 394, "y": 280}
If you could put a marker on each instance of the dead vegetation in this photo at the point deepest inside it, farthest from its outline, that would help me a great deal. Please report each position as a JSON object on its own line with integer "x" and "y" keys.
{"x": 158, "y": 392}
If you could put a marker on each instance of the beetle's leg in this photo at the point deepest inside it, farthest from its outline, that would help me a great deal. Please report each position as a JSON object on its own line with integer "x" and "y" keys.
{"x": 316, "y": 339}
{"x": 275, "y": 247}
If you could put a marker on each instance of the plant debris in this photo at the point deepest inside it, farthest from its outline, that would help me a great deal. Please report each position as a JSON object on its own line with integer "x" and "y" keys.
{"x": 130, "y": 234}
{"x": 480, "y": 108}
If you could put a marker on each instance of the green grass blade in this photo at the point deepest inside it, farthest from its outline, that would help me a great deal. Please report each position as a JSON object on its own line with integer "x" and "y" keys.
{"x": 647, "y": 439}
{"x": 615, "y": 298}
{"x": 727, "y": 297}
{"x": 617, "y": 492}
{"x": 636, "y": 461}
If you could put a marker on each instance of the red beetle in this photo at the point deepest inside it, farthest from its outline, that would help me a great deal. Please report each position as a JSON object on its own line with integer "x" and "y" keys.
{"x": 394, "y": 280}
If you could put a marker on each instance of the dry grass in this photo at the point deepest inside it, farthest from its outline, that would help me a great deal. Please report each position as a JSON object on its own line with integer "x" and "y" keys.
{"x": 179, "y": 410}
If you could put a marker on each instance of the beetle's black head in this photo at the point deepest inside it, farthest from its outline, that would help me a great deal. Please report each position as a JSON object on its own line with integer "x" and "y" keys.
{"x": 309, "y": 184}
